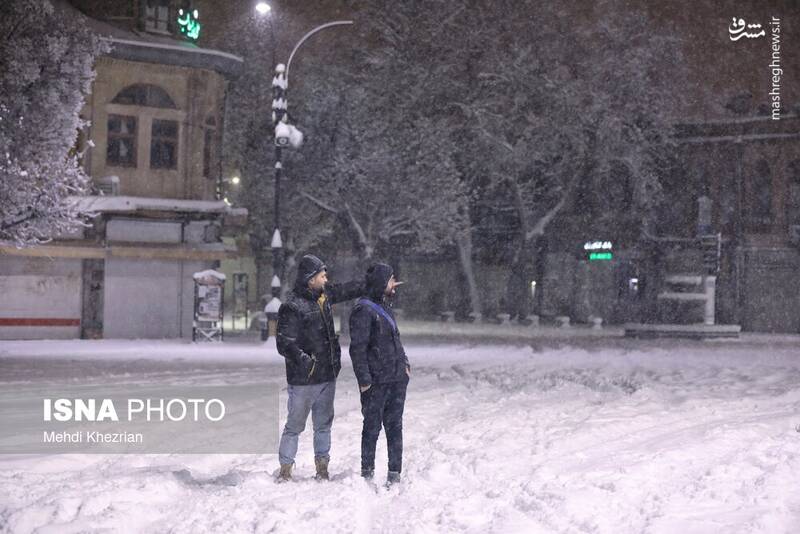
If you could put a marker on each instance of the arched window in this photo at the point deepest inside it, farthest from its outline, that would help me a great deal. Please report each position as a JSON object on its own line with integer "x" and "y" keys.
{"x": 143, "y": 94}
{"x": 123, "y": 125}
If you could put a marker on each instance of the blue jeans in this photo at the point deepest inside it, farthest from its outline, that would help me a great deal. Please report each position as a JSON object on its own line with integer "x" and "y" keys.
{"x": 314, "y": 398}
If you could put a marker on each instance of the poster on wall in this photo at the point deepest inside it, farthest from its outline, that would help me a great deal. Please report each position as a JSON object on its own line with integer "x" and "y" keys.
{"x": 208, "y": 306}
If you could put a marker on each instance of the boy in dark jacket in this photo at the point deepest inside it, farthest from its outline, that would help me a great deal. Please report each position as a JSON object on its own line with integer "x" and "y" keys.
{"x": 382, "y": 370}
{"x": 307, "y": 340}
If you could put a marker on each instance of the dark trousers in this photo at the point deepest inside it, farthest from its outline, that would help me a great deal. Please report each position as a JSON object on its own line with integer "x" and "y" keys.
{"x": 382, "y": 404}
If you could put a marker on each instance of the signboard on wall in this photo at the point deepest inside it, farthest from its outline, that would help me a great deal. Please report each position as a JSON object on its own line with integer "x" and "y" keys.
{"x": 598, "y": 250}
{"x": 208, "y": 308}
{"x": 209, "y": 302}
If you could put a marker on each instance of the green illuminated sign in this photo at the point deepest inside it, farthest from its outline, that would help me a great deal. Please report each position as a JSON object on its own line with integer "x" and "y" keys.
{"x": 188, "y": 23}
{"x": 596, "y": 256}
{"x": 599, "y": 250}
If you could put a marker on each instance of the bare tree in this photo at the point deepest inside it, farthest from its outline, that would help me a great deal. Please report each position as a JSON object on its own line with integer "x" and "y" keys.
{"x": 557, "y": 107}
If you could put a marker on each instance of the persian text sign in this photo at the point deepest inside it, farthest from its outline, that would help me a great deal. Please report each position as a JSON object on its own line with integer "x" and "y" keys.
{"x": 598, "y": 250}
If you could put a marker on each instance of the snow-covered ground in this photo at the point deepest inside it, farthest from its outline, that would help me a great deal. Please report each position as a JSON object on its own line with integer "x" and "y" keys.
{"x": 613, "y": 437}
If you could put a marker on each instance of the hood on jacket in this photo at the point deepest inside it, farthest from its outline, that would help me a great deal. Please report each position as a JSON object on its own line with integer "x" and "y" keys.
{"x": 378, "y": 275}
{"x": 307, "y": 269}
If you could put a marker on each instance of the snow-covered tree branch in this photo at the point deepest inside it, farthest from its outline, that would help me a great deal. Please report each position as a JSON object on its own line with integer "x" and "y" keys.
{"x": 46, "y": 62}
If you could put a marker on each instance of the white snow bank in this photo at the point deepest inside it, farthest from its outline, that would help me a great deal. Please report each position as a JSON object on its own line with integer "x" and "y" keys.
{"x": 129, "y": 203}
{"x": 687, "y": 438}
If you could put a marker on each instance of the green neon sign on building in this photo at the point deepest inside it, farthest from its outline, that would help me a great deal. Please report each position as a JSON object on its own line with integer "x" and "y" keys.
{"x": 595, "y": 256}
{"x": 599, "y": 250}
{"x": 189, "y": 23}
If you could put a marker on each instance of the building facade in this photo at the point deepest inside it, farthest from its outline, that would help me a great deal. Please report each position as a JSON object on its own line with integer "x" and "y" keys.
{"x": 156, "y": 111}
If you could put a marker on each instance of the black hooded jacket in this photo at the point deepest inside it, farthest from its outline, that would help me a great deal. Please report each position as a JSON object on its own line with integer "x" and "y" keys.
{"x": 375, "y": 348}
{"x": 306, "y": 335}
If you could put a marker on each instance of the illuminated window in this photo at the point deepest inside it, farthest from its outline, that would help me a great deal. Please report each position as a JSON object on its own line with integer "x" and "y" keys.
{"x": 121, "y": 150}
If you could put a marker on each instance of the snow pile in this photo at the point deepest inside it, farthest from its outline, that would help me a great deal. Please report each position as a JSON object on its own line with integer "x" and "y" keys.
{"x": 686, "y": 438}
{"x": 209, "y": 273}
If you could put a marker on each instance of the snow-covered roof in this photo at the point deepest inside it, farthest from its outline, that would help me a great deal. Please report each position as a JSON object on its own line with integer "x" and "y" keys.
{"x": 209, "y": 273}
{"x": 108, "y": 204}
{"x": 181, "y": 54}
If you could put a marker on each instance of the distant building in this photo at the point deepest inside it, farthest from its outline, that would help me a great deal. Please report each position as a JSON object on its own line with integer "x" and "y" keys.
{"x": 750, "y": 168}
{"x": 157, "y": 116}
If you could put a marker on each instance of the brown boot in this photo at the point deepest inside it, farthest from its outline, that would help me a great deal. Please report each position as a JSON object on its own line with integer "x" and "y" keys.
{"x": 322, "y": 468}
{"x": 285, "y": 474}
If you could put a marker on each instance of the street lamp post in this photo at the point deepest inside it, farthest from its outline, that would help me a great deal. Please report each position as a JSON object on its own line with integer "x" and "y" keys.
{"x": 286, "y": 135}
{"x": 279, "y": 117}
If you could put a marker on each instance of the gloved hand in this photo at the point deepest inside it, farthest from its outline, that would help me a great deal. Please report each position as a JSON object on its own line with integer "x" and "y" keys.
{"x": 308, "y": 361}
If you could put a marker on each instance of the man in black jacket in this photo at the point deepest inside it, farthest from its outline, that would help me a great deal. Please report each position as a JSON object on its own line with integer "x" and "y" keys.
{"x": 382, "y": 370}
{"x": 307, "y": 340}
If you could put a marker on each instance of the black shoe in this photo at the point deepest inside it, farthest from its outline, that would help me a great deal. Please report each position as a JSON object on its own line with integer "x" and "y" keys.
{"x": 392, "y": 478}
{"x": 367, "y": 474}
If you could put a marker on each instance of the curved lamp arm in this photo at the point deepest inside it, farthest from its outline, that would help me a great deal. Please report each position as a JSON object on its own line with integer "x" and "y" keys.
{"x": 309, "y": 34}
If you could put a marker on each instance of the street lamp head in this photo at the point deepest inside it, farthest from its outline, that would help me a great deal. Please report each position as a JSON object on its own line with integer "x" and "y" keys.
{"x": 235, "y": 180}
{"x": 263, "y": 8}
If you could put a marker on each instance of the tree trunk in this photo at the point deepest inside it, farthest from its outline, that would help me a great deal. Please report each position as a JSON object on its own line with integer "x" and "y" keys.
{"x": 518, "y": 297}
{"x": 464, "y": 244}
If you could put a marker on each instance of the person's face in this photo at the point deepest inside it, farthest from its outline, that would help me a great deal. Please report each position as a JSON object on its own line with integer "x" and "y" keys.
{"x": 391, "y": 286}
{"x": 318, "y": 282}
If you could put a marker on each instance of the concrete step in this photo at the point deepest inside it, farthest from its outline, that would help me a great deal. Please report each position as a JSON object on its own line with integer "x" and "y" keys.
{"x": 691, "y": 331}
